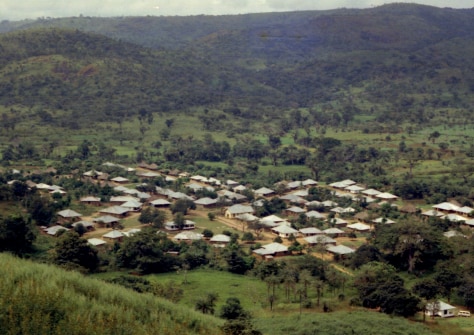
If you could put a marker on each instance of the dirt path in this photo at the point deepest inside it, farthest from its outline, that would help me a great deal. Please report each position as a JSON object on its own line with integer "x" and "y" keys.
{"x": 341, "y": 269}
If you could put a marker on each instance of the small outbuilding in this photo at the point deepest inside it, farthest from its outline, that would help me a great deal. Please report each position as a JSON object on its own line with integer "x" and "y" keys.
{"x": 439, "y": 308}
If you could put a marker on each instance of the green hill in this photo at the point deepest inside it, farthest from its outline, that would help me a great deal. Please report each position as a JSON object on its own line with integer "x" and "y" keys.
{"x": 118, "y": 80}
{"x": 274, "y": 59}
{"x": 40, "y": 299}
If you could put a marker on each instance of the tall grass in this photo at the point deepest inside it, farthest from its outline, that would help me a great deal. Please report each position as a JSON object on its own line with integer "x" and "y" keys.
{"x": 40, "y": 299}
{"x": 341, "y": 323}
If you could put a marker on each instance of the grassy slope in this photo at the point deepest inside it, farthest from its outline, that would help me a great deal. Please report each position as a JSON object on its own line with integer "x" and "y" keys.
{"x": 39, "y": 299}
{"x": 285, "y": 318}
{"x": 341, "y": 323}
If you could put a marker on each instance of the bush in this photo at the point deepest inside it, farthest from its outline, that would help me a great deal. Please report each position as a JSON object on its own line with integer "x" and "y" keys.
{"x": 207, "y": 233}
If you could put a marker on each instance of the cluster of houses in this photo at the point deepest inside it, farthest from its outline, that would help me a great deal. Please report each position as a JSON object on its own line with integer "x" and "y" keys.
{"x": 238, "y": 208}
{"x": 452, "y": 211}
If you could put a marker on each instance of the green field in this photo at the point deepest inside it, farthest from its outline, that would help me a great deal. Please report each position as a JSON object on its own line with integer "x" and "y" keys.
{"x": 287, "y": 318}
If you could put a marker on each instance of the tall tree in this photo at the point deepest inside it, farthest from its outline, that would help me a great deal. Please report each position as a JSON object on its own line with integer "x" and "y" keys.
{"x": 380, "y": 287}
{"x": 410, "y": 244}
{"x": 16, "y": 234}
{"x": 73, "y": 251}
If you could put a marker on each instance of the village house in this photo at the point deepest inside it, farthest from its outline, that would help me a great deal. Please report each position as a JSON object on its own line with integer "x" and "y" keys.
{"x": 68, "y": 215}
{"x": 285, "y": 231}
{"x": 86, "y": 224}
{"x": 432, "y": 213}
{"x": 92, "y": 174}
{"x": 338, "y": 222}
{"x": 301, "y": 193}
{"x": 114, "y": 235}
{"x": 53, "y": 230}
{"x": 160, "y": 203}
{"x": 96, "y": 242}
{"x": 334, "y": 232}
{"x": 383, "y": 220}
{"x": 187, "y": 225}
{"x": 310, "y": 231}
{"x": 205, "y": 202}
{"x": 339, "y": 250}
{"x": 291, "y": 198}
{"x": 386, "y": 196}
{"x": 143, "y": 196}
{"x": 361, "y": 227}
{"x": 118, "y": 200}
{"x": 371, "y": 192}
{"x": 342, "y": 184}
{"x": 271, "y": 221}
{"x": 354, "y": 189}
{"x": 188, "y": 236}
{"x": 132, "y": 205}
{"x": 446, "y": 207}
{"x": 238, "y": 209}
{"x": 309, "y": 183}
{"x": 454, "y": 217}
{"x": 148, "y": 174}
{"x": 320, "y": 239}
{"x": 315, "y": 215}
{"x": 219, "y": 240}
{"x": 294, "y": 211}
{"x": 91, "y": 200}
{"x": 132, "y": 232}
{"x": 120, "y": 180}
{"x": 231, "y": 183}
{"x": 246, "y": 217}
{"x": 235, "y": 197}
{"x": 293, "y": 185}
{"x": 117, "y": 211}
{"x": 106, "y": 221}
{"x": 268, "y": 251}
{"x": 264, "y": 192}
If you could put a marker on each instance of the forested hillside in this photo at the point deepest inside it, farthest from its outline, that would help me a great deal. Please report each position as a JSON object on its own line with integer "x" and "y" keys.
{"x": 282, "y": 60}
{"x": 270, "y": 88}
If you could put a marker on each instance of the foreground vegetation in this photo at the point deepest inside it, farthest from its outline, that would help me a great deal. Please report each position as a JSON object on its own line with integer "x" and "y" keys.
{"x": 344, "y": 323}
{"x": 41, "y": 299}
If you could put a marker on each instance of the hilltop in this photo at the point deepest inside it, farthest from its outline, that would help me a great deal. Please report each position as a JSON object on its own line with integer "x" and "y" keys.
{"x": 386, "y": 24}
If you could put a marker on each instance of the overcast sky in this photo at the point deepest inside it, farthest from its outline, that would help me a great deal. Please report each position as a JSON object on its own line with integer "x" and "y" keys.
{"x": 32, "y": 9}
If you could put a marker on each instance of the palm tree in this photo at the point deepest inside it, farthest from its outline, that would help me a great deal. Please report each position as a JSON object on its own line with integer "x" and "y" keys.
{"x": 207, "y": 304}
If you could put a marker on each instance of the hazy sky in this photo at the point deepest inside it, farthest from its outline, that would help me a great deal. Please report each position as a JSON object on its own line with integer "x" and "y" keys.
{"x": 22, "y": 9}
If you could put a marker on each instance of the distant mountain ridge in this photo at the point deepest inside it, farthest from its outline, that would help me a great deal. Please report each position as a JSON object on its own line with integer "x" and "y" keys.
{"x": 393, "y": 22}
{"x": 123, "y": 65}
